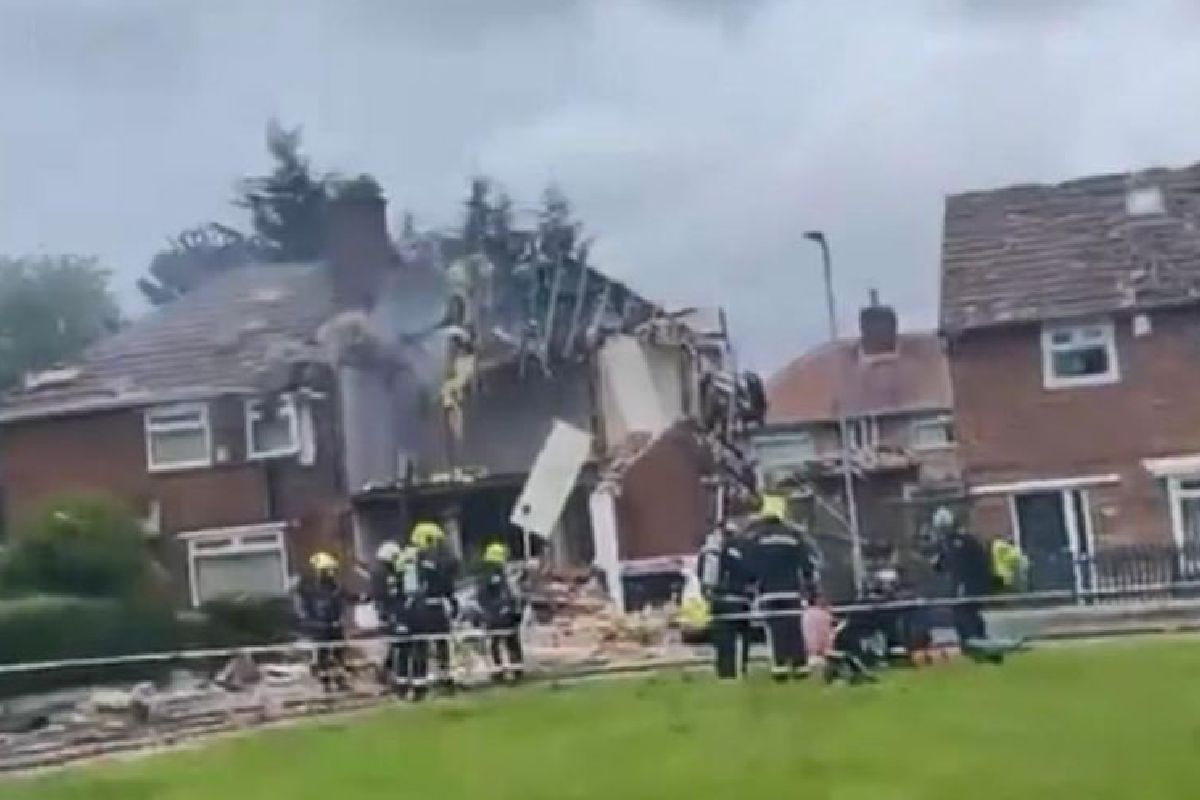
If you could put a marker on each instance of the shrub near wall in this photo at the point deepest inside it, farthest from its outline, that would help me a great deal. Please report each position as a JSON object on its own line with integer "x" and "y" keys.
{"x": 49, "y": 628}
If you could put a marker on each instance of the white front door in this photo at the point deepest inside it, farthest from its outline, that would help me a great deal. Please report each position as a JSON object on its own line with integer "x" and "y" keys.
{"x": 1184, "y": 492}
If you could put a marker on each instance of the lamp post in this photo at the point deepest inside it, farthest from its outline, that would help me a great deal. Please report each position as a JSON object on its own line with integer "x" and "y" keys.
{"x": 843, "y": 426}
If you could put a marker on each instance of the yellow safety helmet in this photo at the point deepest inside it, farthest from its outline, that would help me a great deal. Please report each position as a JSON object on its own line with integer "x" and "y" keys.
{"x": 426, "y": 533}
{"x": 323, "y": 562}
{"x": 495, "y": 553}
{"x": 773, "y": 505}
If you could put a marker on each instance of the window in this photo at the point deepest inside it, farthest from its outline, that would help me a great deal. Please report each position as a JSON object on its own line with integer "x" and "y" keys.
{"x": 178, "y": 437}
{"x": 237, "y": 562}
{"x": 1079, "y": 355}
{"x": 930, "y": 434}
{"x": 863, "y": 433}
{"x": 782, "y": 450}
{"x": 272, "y": 429}
{"x": 1144, "y": 201}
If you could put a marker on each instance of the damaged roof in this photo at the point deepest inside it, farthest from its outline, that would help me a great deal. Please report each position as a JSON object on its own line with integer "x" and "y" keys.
{"x": 1087, "y": 246}
{"x": 916, "y": 378}
{"x": 219, "y": 338}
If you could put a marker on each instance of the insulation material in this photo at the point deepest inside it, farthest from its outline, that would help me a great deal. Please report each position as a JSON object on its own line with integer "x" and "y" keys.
{"x": 551, "y": 480}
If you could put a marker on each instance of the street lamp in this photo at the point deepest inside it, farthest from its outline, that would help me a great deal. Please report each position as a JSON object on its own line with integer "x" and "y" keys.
{"x": 843, "y": 427}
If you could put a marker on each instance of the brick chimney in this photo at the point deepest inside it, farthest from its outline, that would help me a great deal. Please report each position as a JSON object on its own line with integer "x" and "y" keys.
{"x": 358, "y": 251}
{"x": 878, "y": 328}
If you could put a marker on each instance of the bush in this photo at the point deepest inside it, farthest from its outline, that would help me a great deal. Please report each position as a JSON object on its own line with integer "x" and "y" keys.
{"x": 238, "y": 621}
{"x": 48, "y": 628}
{"x": 77, "y": 545}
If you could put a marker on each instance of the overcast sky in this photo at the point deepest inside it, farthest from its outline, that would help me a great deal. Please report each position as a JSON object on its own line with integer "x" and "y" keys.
{"x": 698, "y": 139}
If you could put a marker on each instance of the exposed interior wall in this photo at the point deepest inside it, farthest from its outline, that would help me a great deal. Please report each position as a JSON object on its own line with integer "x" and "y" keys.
{"x": 642, "y": 388}
{"x": 664, "y": 507}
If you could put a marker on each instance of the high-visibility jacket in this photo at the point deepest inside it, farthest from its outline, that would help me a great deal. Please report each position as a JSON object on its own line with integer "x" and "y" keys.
{"x": 1007, "y": 562}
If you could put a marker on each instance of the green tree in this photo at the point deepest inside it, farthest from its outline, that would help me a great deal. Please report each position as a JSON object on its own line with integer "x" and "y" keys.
{"x": 194, "y": 256}
{"x": 288, "y": 205}
{"x": 51, "y": 308}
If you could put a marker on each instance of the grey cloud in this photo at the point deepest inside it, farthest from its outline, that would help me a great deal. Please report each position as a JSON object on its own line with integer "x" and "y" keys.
{"x": 697, "y": 138}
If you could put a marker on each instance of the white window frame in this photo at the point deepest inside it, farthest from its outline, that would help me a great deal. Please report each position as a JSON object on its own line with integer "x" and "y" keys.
{"x": 1107, "y": 329}
{"x": 943, "y": 422}
{"x": 863, "y": 433}
{"x": 782, "y": 440}
{"x": 240, "y": 540}
{"x": 1078, "y": 541}
{"x": 152, "y": 427}
{"x": 288, "y": 408}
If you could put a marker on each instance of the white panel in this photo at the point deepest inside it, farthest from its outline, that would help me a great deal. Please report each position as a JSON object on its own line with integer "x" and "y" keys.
{"x": 626, "y": 373}
{"x": 550, "y": 481}
{"x": 602, "y": 507}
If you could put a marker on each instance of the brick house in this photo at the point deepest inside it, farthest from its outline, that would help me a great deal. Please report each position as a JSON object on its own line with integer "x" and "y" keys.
{"x": 185, "y": 417}
{"x": 278, "y": 409}
{"x": 1072, "y": 313}
{"x": 894, "y": 390}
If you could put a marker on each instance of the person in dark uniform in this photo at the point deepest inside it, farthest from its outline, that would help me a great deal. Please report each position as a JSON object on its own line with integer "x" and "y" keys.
{"x": 322, "y": 606}
{"x": 727, "y": 583}
{"x": 432, "y": 607}
{"x": 965, "y": 559}
{"x": 389, "y": 594}
{"x": 501, "y": 614}
{"x": 784, "y": 566}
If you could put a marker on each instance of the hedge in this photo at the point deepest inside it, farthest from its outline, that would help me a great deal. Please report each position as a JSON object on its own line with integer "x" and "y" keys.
{"x": 52, "y": 628}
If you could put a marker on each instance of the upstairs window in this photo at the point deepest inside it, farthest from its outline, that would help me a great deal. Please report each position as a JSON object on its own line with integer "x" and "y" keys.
{"x": 785, "y": 450}
{"x": 932, "y": 434}
{"x": 272, "y": 428}
{"x": 178, "y": 437}
{"x": 1079, "y": 355}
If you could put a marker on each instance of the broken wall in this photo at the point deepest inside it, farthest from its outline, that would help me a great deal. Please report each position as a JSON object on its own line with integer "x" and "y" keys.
{"x": 507, "y": 418}
{"x": 643, "y": 388}
{"x": 665, "y": 507}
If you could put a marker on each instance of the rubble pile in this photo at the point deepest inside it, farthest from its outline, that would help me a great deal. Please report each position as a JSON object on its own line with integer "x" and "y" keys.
{"x": 581, "y": 627}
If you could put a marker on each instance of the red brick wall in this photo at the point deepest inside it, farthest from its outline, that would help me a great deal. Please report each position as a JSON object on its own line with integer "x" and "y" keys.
{"x": 1010, "y": 428}
{"x": 106, "y": 453}
{"x": 664, "y": 508}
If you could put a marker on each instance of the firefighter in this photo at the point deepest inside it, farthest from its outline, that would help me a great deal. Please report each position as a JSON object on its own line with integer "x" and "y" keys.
{"x": 432, "y": 607}
{"x": 966, "y": 561}
{"x": 389, "y": 596}
{"x": 501, "y": 615}
{"x": 784, "y": 566}
{"x": 727, "y": 585}
{"x": 322, "y": 606}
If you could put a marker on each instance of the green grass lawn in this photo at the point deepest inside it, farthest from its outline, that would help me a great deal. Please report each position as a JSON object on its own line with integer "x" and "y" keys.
{"x": 1112, "y": 721}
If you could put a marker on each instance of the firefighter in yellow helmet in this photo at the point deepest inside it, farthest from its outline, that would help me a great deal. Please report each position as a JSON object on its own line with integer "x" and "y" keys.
{"x": 783, "y": 565}
{"x": 432, "y": 607}
{"x": 502, "y": 609}
{"x": 322, "y": 608}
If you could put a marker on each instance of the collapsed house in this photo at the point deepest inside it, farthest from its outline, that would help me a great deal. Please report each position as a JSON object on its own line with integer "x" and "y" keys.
{"x": 278, "y": 409}
{"x": 480, "y": 344}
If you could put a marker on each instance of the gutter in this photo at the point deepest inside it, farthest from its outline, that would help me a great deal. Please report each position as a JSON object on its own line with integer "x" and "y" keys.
{"x": 17, "y": 413}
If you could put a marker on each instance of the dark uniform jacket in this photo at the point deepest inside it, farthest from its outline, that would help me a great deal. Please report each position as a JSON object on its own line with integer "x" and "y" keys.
{"x": 322, "y": 602}
{"x": 495, "y": 594}
{"x": 965, "y": 559}
{"x": 782, "y": 560}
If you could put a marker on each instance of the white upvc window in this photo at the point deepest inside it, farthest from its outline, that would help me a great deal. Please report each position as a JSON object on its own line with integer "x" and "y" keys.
{"x": 783, "y": 450}
{"x": 863, "y": 433}
{"x": 272, "y": 427}
{"x": 932, "y": 433}
{"x": 247, "y": 561}
{"x": 178, "y": 437}
{"x": 1080, "y": 354}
